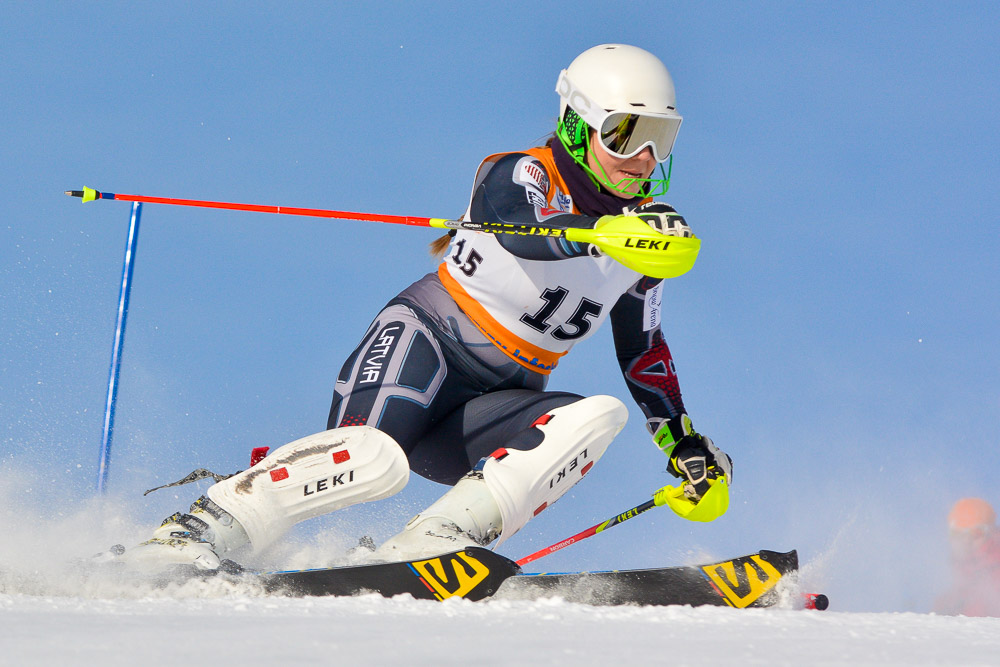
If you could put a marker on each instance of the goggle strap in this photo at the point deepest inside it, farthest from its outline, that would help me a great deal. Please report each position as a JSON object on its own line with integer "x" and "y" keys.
{"x": 576, "y": 132}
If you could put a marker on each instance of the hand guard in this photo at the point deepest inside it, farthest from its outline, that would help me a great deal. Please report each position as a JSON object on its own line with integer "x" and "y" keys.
{"x": 692, "y": 456}
{"x": 661, "y": 217}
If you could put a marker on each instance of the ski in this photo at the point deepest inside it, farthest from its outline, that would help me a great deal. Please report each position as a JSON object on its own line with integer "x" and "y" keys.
{"x": 475, "y": 573}
{"x": 747, "y": 581}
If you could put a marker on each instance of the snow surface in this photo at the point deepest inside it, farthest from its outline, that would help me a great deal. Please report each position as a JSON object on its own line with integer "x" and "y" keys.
{"x": 54, "y": 612}
{"x": 242, "y": 629}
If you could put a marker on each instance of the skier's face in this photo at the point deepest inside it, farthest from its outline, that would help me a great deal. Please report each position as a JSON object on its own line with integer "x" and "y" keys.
{"x": 620, "y": 171}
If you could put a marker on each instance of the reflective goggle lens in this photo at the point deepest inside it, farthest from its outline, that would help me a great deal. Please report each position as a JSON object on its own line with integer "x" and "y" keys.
{"x": 625, "y": 134}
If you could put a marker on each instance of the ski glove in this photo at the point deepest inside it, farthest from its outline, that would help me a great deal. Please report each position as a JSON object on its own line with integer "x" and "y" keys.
{"x": 661, "y": 217}
{"x": 692, "y": 457}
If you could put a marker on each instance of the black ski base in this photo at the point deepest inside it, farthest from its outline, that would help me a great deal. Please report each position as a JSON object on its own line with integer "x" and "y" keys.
{"x": 476, "y": 573}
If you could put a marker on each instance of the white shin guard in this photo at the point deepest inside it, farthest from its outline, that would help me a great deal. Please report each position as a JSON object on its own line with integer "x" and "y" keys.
{"x": 306, "y": 478}
{"x": 523, "y": 483}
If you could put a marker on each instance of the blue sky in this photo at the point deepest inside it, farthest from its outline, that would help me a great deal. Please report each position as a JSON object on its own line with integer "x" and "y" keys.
{"x": 839, "y": 161}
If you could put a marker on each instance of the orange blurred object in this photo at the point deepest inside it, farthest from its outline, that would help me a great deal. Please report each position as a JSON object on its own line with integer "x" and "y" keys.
{"x": 971, "y": 513}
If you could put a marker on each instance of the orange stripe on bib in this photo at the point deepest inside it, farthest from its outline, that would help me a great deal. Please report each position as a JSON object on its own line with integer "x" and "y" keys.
{"x": 530, "y": 356}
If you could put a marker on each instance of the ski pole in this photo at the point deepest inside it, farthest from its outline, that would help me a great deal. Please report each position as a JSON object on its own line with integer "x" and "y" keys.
{"x": 104, "y": 461}
{"x": 658, "y": 499}
{"x": 626, "y": 239}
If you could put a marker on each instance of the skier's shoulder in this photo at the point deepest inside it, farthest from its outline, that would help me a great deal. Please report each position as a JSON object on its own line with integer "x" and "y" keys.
{"x": 541, "y": 154}
{"x": 532, "y": 167}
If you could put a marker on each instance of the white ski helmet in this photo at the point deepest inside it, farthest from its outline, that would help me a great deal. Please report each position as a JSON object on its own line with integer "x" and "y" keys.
{"x": 623, "y": 92}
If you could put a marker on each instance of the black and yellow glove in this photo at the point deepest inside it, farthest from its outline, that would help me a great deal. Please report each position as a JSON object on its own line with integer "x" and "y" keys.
{"x": 663, "y": 218}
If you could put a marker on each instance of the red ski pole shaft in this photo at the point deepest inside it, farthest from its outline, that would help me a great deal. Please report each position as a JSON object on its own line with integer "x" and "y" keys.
{"x": 89, "y": 194}
{"x": 593, "y": 530}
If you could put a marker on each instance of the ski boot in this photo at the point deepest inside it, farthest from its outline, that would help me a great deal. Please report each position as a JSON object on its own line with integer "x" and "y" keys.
{"x": 195, "y": 540}
{"x": 465, "y": 516}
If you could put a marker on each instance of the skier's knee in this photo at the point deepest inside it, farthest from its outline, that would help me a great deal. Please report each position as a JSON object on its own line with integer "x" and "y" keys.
{"x": 310, "y": 477}
{"x": 575, "y": 436}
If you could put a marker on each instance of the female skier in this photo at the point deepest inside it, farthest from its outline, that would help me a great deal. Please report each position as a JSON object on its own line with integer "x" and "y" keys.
{"x": 452, "y": 372}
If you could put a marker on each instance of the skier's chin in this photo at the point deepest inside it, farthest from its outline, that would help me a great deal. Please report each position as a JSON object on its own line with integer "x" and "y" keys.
{"x": 628, "y": 182}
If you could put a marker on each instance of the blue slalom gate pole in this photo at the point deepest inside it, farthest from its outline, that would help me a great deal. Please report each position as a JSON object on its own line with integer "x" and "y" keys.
{"x": 116, "y": 352}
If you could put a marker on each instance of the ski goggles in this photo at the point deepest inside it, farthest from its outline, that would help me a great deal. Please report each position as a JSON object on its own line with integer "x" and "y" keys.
{"x": 623, "y": 134}
{"x": 626, "y": 134}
